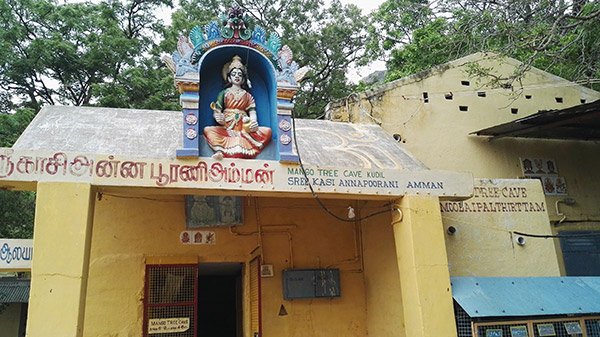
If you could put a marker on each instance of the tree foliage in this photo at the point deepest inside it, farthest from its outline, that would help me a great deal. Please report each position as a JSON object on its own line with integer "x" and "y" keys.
{"x": 54, "y": 53}
{"x": 557, "y": 36}
{"x": 328, "y": 39}
{"x": 16, "y": 208}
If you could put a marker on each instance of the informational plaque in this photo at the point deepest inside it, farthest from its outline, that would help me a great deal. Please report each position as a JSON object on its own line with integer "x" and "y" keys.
{"x": 493, "y": 333}
{"x": 519, "y": 331}
{"x": 546, "y": 330}
{"x": 168, "y": 325}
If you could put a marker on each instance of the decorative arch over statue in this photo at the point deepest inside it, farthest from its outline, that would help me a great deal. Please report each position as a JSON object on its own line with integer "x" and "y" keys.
{"x": 199, "y": 65}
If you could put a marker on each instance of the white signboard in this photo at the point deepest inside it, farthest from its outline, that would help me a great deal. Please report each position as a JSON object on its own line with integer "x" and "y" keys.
{"x": 15, "y": 254}
{"x": 228, "y": 174}
{"x": 168, "y": 325}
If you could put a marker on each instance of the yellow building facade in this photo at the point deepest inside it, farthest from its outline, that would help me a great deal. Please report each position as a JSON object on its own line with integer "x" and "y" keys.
{"x": 436, "y": 116}
{"x": 111, "y": 252}
{"x": 358, "y": 238}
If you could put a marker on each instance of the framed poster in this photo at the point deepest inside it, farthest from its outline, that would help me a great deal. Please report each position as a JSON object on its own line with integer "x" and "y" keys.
{"x": 546, "y": 330}
{"x": 573, "y": 328}
{"x": 212, "y": 211}
{"x": 493, "y": 332}
{"x": 519, "y": 331}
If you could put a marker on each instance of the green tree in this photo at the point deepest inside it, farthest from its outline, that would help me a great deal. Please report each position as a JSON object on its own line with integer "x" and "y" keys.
{"x": 328, "y": 39}
{"x": 557, "y": 36}
{"x": 16, "y": 208}
{"x": 56, "y": 53}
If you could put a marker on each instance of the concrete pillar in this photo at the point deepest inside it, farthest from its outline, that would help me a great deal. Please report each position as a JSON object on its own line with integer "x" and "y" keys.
{"x": 61, "y": 248}
{"x": 423, "y": 268}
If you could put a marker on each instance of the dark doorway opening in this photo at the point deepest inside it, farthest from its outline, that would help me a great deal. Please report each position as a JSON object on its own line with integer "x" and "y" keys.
{"x": 220, "y": 300}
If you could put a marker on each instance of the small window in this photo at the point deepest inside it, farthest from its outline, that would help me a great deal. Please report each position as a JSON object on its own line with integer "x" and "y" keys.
{"x": 527, "y": 96}
{"x": 481, "y": 94}
{"x": 514, "y": 111}
{"x": 397, "y": 137}
{"x": 581, "y": 252}
{"x": 583, "y": 100}
{"x": 425, "y": 97}
{"x": 463, "y": 108}
{"x": 448, "y": 96}
{"x": 558, "y": 99}
{"x": 465, "y": 83}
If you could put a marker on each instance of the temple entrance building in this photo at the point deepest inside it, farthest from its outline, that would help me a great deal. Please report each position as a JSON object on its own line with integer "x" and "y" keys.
{"x": 230, "y": 217}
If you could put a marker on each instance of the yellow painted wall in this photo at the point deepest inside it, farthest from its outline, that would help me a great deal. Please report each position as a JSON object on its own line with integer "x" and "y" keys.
{"x": 484, "y": 245}
{"x": 423, "y": 267}
{"x": 9, "y": 320}
{"x": 382, "y": 280}
{"x": 59, "y": 271}
{"x": 128, "y": 230}
{"x": 439, "y": 134}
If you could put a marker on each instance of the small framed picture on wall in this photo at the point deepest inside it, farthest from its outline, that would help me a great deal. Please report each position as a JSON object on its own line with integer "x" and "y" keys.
{"x": 213, "y": 211}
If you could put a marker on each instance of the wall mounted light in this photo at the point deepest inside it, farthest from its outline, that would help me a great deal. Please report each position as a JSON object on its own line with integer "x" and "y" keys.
{"x": 351, "y": 214}
{"x": 451, "y": 230}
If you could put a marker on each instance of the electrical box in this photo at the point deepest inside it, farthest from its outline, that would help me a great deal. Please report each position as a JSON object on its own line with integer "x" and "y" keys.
{"x": 311, "y": 283}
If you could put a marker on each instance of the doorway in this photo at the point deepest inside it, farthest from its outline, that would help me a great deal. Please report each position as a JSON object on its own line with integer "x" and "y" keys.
{"x": 220, "y": 300}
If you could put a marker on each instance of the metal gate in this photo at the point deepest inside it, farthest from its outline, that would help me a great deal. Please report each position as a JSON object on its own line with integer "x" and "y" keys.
{"x": 171, "y": 300}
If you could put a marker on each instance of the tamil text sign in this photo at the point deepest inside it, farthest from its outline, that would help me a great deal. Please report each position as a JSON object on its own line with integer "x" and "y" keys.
{"x": 228, "y": 174}
{"x": 15, "y": 254}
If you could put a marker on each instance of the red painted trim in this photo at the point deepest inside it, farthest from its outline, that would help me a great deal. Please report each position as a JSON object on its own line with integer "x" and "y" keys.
{"x": 259, "y": 297}
{"x": 196, "y": 293}
{"x": 145, "y": 302}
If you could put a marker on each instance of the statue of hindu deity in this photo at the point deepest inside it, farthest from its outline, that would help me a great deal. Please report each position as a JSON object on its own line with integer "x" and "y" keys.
{"x": 238, "y": 134}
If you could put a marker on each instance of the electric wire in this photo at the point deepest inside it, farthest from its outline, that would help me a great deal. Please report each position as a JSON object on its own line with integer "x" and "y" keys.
{"x": 525, "y": 234}
{"x": 543, "y": 236}
{"x": 314, "y": 194}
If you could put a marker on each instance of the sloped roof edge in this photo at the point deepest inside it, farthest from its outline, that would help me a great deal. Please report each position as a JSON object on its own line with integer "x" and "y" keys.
{"x": 157, "y": 134}
{"x": 457, "y": 63}
{"x": 580, "y": 122}
{"x": 527, "y": 296}
{"x": 14, "y": 290}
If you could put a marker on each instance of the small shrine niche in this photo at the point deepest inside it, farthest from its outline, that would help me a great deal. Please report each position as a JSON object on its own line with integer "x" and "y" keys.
{"x": 237, "y": 84}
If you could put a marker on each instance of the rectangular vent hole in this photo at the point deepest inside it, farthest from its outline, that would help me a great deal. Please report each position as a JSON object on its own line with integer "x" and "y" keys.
{"x": 463, "y": 108}
{"x": 466, "y": 83}
{"x": 527, "y": 96}
{"x": 425, "y": 97}
{"x": 448, "y": 96}
{"x": 481, "y": 94}
{"x": 514, "y": 111}
{"x": 558, "y": 99}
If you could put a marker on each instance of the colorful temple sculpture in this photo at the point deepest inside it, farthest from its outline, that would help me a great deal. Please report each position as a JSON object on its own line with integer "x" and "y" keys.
{"x": 258, "y": 123}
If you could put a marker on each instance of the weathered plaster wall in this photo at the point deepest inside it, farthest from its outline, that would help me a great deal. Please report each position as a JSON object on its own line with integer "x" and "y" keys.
{"x": 437, "y": 132}
{"x": 9, "y": 320}
{"x": 483, "y": 243}
{"x": 382, "y": 280}
{"x": 129, "y": 230}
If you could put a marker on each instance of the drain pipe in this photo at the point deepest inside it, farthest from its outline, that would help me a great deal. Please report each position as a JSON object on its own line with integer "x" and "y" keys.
{"x": 566, "y": 201}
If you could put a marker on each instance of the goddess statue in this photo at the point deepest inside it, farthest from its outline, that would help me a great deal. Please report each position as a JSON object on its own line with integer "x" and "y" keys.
{"x": 238, "y": 134}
